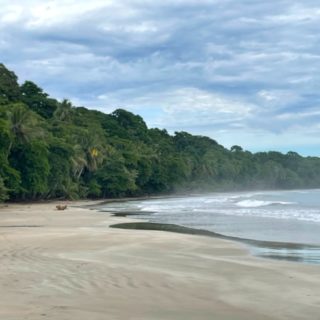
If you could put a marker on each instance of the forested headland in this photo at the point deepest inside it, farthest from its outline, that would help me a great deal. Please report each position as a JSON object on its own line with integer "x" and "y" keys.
{"x": 51, "y": 149}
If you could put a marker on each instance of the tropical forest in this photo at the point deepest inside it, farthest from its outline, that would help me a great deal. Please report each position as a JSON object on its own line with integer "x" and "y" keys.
{"x": 51, "y": 149}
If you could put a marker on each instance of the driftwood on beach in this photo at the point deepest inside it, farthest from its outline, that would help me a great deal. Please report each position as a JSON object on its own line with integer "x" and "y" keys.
{"x": 61, "y": 206}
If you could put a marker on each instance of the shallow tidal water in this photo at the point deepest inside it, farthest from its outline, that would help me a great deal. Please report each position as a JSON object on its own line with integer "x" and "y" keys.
{"x": 274, "y": 224}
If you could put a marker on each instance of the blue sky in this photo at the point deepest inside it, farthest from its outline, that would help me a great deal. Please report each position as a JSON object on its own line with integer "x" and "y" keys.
{"x": 240, "y": 71}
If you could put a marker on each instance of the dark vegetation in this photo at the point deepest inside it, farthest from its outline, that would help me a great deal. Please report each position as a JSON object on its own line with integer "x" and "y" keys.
{"x": 51, "y": 149}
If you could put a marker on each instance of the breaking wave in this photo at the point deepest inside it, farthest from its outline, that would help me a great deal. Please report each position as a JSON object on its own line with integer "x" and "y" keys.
{"x": 260, "y": 203}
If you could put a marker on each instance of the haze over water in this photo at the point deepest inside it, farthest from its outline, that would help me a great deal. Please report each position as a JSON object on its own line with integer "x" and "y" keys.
{"x": 267, "y": 216}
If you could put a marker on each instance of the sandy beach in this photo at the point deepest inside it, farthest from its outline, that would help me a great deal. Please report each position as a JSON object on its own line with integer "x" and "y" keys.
{"x": 69, "y": 265}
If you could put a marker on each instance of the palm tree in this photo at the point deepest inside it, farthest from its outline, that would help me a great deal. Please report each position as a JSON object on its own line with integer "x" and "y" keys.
{"x": 21, "y": 125}
{"x": 88, "y": 153}
{"x": 64, "y": 110}
{"x": 78, "y": 160}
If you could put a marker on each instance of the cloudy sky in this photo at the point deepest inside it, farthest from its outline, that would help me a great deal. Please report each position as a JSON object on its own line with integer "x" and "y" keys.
{"x": 240, "y": 71}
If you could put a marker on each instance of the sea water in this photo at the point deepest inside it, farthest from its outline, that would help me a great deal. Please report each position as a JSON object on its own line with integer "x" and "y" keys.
{"x": 291, "y": 218}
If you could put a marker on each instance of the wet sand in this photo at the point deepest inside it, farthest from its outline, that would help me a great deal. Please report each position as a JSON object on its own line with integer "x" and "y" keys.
{"x": 70, "y": 265}
{"x": 289, "y": 251}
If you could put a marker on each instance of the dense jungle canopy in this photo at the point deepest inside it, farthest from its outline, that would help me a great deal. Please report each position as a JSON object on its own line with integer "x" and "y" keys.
{"x": 51, "y": 149}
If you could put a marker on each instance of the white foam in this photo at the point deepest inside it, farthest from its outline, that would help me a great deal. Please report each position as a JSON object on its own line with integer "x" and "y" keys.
{"x": 260, "y": 203}
{"x": 277, "y": 205}
{"x": 216, "y": 200}
{"x": 294, "y": 214}
{"x": 153, "y": 208}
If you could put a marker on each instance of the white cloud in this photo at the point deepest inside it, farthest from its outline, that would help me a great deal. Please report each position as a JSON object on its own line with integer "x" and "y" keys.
{"x": 196, "y": 100}
{"x": 11, "y": 14}
{"x": 184, "y": 107}
{"x": 267, "y": 95}
{"x": 274, "y": 98}
{"x": 315, "y": 112}
{"x": 242, "y": 70}
{"x": 297, "y": 14}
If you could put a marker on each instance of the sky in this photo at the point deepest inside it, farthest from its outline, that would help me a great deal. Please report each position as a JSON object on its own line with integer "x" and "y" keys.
{"x": 243, "y": 72}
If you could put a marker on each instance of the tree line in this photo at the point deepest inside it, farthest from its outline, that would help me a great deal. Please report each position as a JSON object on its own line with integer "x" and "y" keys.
{"x": 51, "y": 149}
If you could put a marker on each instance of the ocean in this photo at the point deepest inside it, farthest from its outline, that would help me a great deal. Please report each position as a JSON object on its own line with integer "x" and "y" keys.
{"x": 282, "y": 224}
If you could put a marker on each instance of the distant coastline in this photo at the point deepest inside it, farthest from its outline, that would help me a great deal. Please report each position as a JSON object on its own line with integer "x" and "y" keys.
{"x": 52, "y": 149}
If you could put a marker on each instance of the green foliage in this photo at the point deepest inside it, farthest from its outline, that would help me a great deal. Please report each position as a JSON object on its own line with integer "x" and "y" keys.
{"x": 64, "y": 110}
{"x": 116, "y": 179}
{"x": 10, "y": 178}
{"x": 51, "y": 149}
{"x": 5, "y": 139}
{"x": 9, "y": 87}
{"x": 3, "y": 191}
{"x": 60, "y": 180}
{"x": 22, "y": 123}
{"x": 236, "y": 148}
{"x": 94, "y": 189}
{"x": 37, "y": 100}
{"x": 133, "y": 126}
{"x": 31, "y": 160}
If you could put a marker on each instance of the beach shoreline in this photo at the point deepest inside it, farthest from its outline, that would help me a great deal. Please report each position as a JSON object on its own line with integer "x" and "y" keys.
{"x": 71, "y": 265}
